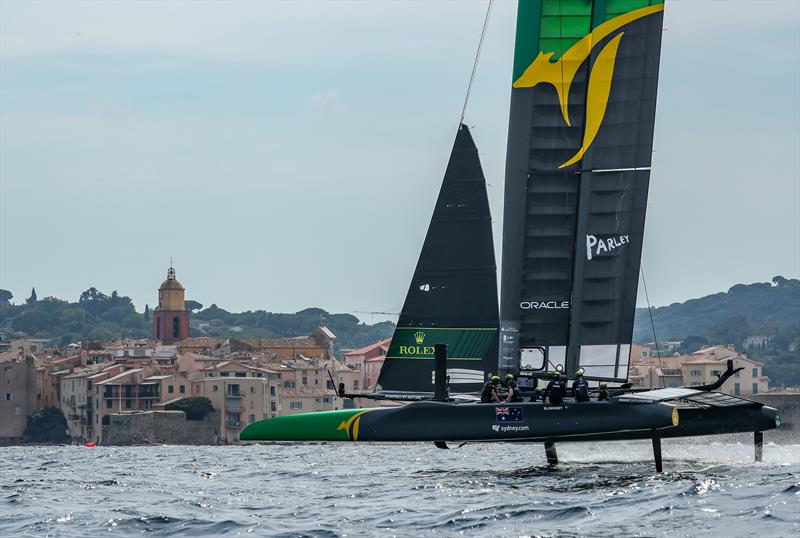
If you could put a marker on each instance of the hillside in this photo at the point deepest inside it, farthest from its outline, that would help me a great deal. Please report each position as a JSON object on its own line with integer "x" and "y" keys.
{"x": 755, "y": 308}
{"x": 97, "y": 316}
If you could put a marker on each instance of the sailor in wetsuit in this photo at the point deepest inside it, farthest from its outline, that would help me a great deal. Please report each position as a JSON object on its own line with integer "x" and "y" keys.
{"x": 580, "y": 387}
{"x": 512, "y": 393}
{"x": 489, "y": 392}
{"x": 603, "y": 394}
{"x": 537, "y": 395}
{"x": 555, "y": 391}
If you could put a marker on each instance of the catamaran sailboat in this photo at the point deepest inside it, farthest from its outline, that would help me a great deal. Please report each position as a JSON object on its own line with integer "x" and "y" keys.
{"x": 583, "y": 104}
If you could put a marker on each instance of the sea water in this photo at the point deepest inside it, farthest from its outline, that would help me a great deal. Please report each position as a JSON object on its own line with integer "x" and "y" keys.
{"x": 710, "y": 487}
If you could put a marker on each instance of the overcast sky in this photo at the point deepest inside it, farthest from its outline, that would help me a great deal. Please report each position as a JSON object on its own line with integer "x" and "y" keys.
{"x": 288, "y": 155}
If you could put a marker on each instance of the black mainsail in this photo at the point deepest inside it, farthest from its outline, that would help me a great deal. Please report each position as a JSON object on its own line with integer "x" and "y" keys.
{"x": 452, "y": 298}
{"x": 577, "y": 174}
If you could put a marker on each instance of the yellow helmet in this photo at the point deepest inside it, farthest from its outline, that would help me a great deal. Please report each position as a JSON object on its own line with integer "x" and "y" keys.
{"x": 495, "y": 378}
{"x": 579, "y": 373}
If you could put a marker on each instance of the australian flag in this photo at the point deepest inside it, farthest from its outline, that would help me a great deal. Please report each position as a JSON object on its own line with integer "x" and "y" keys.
{"x": 508, "y": 414}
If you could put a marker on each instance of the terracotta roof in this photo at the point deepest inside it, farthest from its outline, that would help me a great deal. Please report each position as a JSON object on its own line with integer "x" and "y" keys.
{"x": 200, "y": 341}
{"x": 383, "y": 344}
{"x": 298, "y": 342}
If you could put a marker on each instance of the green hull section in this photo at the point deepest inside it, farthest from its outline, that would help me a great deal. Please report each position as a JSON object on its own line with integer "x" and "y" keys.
{"x": 343, "y": 425}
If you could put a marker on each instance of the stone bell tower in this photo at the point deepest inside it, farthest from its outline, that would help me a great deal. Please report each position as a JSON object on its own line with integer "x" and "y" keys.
{"x": 170, "y": 318}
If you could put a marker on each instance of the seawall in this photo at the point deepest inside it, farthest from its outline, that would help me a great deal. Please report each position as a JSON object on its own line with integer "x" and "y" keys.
{"x": 160, "y": 427}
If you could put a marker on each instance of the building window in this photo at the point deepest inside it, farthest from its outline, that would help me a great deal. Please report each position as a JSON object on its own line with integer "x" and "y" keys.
{"x": 272, "y": 390}
{"x": 170, "y": 388}
{"x": 355, "y": 384}
{"x": 305, "y": 380}
{"x": 17, "y": 410}
{"x": 9, "y": 397}
{"x": 737, "y": 389}
{"x": 755, "y": 388}
{"x": 128, "y": 404}
{"x": 108, "y": 404}
{"x": 272, "y": 406}
{"x": 176, "y": 327}
{"x": 240, "y": 374}
{"x": 695, "y": 373}
{"x": 329, "y": 384}
{"x": 288, "y": 384}
{"x": 182, "y": 389}
{"x": 295, "y": 405}
{"x": 327, "y": 399}
{"x": 252, "y": 390}
{"x": 755, "y": 373}
{"x": 715, "y": 372}
{"x": 252, "y": 418}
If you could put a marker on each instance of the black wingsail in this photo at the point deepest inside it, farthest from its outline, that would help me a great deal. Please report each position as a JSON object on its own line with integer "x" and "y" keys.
{"x": 452, "y": 298}
{"x": 577, "y": 174}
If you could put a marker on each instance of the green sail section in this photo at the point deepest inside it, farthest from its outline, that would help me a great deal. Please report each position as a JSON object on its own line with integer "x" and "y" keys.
{"x": 553, "y": 26}
{"x": 462, "y": 344}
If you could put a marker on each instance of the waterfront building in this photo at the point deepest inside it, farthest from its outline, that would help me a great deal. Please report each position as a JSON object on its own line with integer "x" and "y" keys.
{"x": 357, "y": 360}
{"x": 240, "y": 394}
{"x": 374, "y": 366}
{"x": 703, "y": 367}
{"x": 17, "y": 392}
{"x": 126, "y": 391}
{"x": 76, "y": 391}
{"x": 170, "y": 318}
{"x": 307, "y": 385}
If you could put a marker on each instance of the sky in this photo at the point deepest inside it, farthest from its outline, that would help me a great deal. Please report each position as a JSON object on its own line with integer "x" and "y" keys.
{"x": 288, "y": 155}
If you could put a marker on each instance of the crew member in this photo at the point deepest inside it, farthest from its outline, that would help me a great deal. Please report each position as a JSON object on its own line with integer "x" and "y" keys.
{"x": 580, "y": 387}
{"x": 489, "y": 393}
{"x": 537, "y": 395}
{"x": 603, "y": 394}
{"x": 513, "y": 393}
{"x": 556, "y": 390}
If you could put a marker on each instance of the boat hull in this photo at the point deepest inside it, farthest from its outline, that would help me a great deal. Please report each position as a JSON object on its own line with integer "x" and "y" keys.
{"x": 440, "y": 421}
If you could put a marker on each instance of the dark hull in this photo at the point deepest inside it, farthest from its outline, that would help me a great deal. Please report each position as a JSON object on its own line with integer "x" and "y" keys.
{"x": 570, "y": 421}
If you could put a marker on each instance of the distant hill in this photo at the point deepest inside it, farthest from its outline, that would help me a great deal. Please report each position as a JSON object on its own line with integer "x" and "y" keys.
{"x": 97, "y": 316}
{"x": 756, "y": 308}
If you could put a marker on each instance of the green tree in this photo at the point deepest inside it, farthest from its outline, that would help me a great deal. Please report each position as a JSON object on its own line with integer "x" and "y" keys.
{"x": 195, "y": 408}
{"x": 732, "y": 330}
{"x": 191, "y": 306}
{"x": 690, "y": 344}
{"x": 5, "y": 296}
{"x": 48, "y": 424}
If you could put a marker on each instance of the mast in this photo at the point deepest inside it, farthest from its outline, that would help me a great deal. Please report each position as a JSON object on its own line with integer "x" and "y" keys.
{"x": 577, "y": 174}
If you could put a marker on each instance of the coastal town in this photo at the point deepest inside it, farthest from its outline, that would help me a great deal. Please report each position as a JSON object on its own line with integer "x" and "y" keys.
{"x": 133, "y": 391}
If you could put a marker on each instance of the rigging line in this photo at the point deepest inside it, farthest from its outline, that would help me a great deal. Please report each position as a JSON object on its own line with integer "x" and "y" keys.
{"x": 652, "y": 325}
{"x": 475, "y": 63}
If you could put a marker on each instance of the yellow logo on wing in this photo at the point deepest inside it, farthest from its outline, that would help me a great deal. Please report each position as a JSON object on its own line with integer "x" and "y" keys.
{"x": 351, "y": 425}
{"x": 561, "y": 73}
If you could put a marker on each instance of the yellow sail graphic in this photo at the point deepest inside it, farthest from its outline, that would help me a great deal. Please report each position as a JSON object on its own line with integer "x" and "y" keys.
{"x": 561, "y": 73}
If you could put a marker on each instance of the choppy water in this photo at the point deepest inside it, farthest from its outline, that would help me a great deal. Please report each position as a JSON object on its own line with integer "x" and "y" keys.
{"x": 710, "y": 486}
